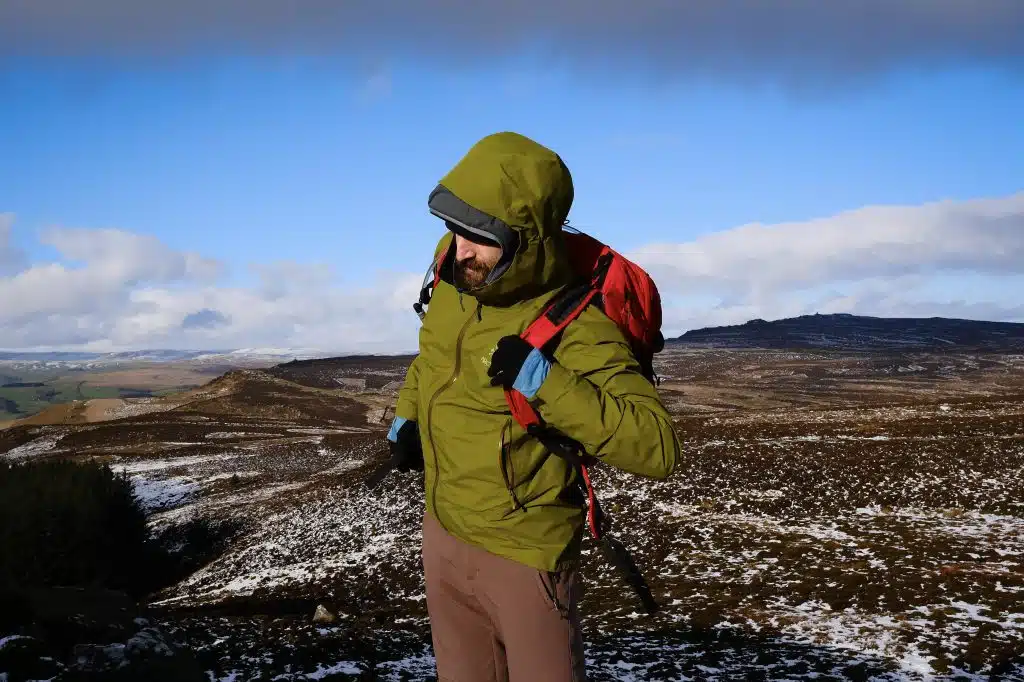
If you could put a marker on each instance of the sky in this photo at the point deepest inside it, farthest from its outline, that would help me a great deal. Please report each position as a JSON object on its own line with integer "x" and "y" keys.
{"x": 232, "y": 174}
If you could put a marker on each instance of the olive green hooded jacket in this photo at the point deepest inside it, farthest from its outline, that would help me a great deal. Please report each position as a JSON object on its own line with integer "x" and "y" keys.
{"x": 488, "y": 482}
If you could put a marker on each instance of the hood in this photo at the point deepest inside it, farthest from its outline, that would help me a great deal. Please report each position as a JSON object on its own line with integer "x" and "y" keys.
{"x": 518, "y": 193}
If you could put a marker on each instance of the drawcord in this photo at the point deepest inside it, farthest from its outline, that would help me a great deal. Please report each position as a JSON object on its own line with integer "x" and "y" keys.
{"x": 479, "y": 308}
{"x": 504, "y": 448}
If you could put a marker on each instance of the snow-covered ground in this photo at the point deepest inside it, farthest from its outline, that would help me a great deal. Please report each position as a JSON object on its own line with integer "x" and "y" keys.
{"x": 43, "y": 445}
{"x": 874, "y": 542}
{"x": 163, "y": 493}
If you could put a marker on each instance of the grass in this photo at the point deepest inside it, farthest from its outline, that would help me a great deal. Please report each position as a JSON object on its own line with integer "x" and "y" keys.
{"x": 17, "y": 402}
{"x": 31, "y": 400}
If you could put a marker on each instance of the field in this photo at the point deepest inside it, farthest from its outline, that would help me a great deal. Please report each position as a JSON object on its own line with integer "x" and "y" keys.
{"x": 26, "y": 392}
{"x": 836, "y": 516}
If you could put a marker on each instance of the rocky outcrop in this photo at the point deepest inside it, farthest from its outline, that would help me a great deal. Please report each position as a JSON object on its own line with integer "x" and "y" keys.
{"x": 860, "y": 333}
{"x": 88, "y": 634}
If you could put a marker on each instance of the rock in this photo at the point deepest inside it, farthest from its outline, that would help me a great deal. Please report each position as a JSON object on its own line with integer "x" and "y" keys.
{"x": 377, "y": 415}
{"x": 147, "y": 643}
{"x": 322, "y": 615}
{"x": 145, "y": 655}
{"x": 95, "y": 658}
{"x": 26, "y": 658}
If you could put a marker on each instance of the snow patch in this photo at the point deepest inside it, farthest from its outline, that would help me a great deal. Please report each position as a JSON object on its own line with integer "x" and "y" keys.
{"x": 4, "y": 641}
{"x": 163, "y": 493}
{"x": 39, "y": 446}
{"x": 342, "y": 668}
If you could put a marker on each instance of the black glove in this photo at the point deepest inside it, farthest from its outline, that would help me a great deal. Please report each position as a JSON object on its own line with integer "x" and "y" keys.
{"x": 406, "y": 454}
{"x": 507, "y": 360}
{"x": 407, "y": 451}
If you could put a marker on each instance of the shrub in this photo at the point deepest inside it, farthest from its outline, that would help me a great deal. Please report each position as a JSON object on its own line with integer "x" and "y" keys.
{"x": 65, "y": 523}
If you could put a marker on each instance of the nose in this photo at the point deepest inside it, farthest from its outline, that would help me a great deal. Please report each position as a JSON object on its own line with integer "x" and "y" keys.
{"x": 464, "y": 249}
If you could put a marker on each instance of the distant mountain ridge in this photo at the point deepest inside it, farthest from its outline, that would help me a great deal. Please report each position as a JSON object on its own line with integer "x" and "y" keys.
{"x": 80, "y": 356}
{"x": 160, "y": 355}
{"x": 843, "y": 331}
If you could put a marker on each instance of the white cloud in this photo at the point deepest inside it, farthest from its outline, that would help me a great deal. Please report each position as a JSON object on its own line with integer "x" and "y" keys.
{"x": 112, "y": 262}
{"x": 114, "y": 290}
{"x": 127, "y": 256}
{"x": 873, "y": 260}
{"x": 282, "y": 278}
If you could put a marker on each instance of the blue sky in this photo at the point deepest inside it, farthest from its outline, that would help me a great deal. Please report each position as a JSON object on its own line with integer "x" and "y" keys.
{"x": 257, "y": 159}
{"x": 260, "y": 159}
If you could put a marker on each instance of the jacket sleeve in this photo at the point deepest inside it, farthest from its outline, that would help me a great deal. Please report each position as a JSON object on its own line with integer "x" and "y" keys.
{"x": 595, "y": 393}
{"x": 408, "y": 398}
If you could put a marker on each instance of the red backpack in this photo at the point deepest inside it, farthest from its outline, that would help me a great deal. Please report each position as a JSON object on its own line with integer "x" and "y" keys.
{"x": 618, "y": 286}
{"x": 629, "y": 297}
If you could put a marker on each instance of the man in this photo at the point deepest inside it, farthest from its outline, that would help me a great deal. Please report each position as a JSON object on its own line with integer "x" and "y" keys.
{"x": 502, "y": 531}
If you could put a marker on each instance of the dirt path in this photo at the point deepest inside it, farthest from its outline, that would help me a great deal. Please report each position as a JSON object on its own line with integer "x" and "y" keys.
{"x": 99, "y": 409}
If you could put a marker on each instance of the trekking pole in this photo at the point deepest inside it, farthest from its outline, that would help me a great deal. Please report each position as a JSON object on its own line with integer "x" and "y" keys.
{"x": 620, "y": 557}
{"x": 600, "y": 523}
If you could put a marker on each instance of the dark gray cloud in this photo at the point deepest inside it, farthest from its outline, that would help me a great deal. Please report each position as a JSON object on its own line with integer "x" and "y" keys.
{"x": 207, "y": 318}
{"x": 11, "y": 257}
{"x": 796, "y": 40}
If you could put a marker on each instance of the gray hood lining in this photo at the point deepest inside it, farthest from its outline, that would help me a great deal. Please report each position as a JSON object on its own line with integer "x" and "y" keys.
{"x": 458, "y": 215}
{"x": 447, "y": 206}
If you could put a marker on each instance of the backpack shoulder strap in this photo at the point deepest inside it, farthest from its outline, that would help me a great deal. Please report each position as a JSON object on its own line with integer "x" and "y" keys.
{"x": 565, "y": 307}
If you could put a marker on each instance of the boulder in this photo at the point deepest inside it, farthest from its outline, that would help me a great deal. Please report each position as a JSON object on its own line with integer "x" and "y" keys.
{"x": 323, "y": 616}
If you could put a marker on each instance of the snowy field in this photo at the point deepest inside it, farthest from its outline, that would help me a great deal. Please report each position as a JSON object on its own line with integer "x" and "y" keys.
{"x": 822, "y": 539}
{"x": 875, "y": 544}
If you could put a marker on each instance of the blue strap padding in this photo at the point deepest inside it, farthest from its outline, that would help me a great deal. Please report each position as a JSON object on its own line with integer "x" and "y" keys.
{"x": 532, "y": 374}
{"x": 395, "y": 426}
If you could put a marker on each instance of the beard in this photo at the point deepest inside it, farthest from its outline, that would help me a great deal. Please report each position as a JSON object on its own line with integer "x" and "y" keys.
{"x": 471, "y": 274}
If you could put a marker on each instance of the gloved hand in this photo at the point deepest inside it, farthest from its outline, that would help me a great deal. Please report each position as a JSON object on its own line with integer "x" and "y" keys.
{"x": 406, "y": 449}
{"x": 516, "y": 364}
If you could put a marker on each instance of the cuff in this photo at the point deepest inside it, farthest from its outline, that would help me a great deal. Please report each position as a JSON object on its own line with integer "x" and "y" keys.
{"x": 559, "y": 383}
{"x": 532, "y": 374}
{"x": 395, "y": 426}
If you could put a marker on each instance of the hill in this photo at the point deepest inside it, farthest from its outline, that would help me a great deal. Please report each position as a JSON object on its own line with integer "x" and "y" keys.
{"x": 838, "y": 514}
{"x": 35, "y": 382}
{"x": 862, "y": 333}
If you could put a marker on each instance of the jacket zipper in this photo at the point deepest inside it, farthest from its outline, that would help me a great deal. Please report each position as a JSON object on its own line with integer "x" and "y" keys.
{"x": 430, "y": 409}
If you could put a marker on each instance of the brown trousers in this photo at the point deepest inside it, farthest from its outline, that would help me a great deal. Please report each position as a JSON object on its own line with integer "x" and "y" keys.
{"x": 496, "y": 620}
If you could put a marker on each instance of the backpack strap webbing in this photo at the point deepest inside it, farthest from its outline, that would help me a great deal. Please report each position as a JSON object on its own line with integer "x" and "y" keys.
{"x": 563, "y": 309}
{"x": 616, "y": 553}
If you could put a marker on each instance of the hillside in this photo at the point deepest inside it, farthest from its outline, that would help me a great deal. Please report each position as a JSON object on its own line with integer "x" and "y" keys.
{"x": 839, "y": 515}
{"x": 862, "y": 333}
{"x": 41, "y": 385}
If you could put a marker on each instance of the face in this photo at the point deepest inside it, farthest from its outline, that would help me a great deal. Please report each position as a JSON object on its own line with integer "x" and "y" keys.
{"x": 474, "y": 261}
